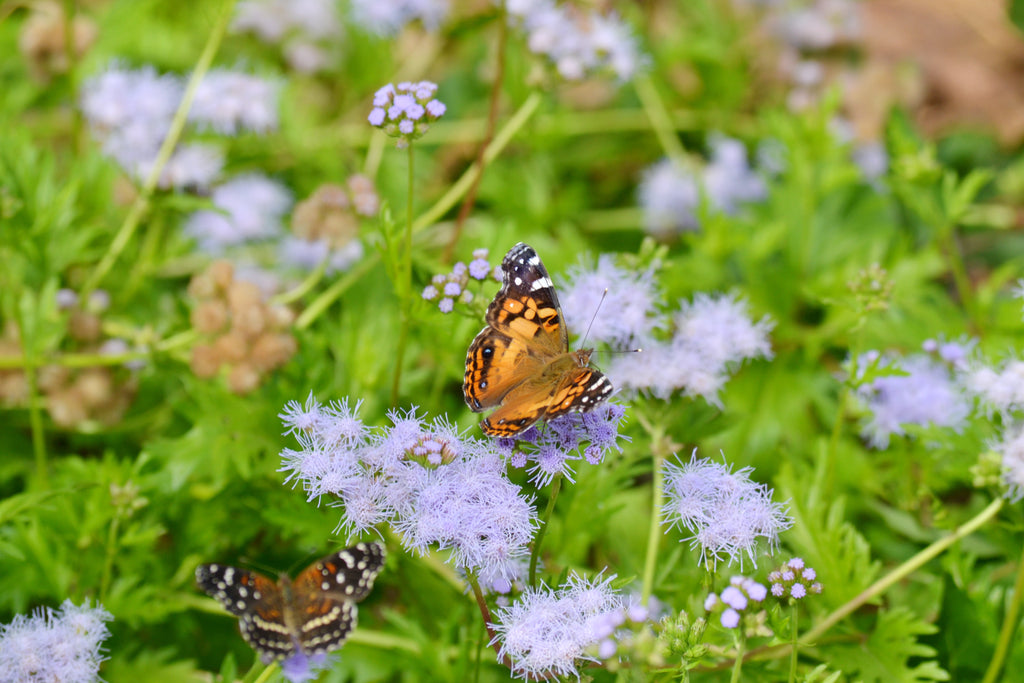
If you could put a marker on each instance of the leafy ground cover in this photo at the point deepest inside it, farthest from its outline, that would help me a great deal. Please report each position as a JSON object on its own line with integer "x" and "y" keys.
{"x": 247, "y": 244}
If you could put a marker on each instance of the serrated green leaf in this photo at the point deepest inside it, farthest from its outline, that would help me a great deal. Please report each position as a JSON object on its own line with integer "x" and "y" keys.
{"x": 891, "y": 653}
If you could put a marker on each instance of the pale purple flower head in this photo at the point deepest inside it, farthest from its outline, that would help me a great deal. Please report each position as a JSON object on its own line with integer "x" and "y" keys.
{"x": 405, "y": 111}
{"x": 388, "y": 17}
{"x": 627, "y": 315}
{"x": 446, "y": 305}
{"x": 669, "y": 195}
{"x": 437, "y": 487}
{"x": 232, "y": 101}
{"x": 728, "y": 179}
{"x": 1000, "y": 387}
{"x": 549, "y": 449}
{"x": 730, "y": 618}
{"x": 549, "y": 631}
{"x": 193, "y": 166}
{"x": 274, "y": 21}
{"x": 1011, "y": 449}
{"x": 251, "y": 207}
{"x": 301, "y": 668}
{"x": 928, "y": 394}
{"x": 724, "y": 511}
{"x": 309, "y": 254}
{"x": 54, "y": 645}
{"x": 794, "y": 580}
{"x": 713, "y": 335}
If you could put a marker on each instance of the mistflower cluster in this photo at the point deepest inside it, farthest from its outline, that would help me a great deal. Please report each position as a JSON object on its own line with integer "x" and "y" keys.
{"x": 44, "y": 43}
{"x": 670, "y": 194}
{"x": 578, "y": 41}
{"x": 625, "y": 317}
{"x": 75, "y": 396}
{"x": 406, "y": 111}
{"x": 711, "y": 336}
{"x": 130, "y": 112}
{"x": 1011, "y": 452}
{"x": 305, "y": 29}
{"x": 54, "y": 646}
{"x": 247, "y": 208}
{"x": 301, "y": 668}
{"x": 724, "y": 511}
{"x": 549, "y": 449}
{"x": 326, "y": 225}
{"x": 1000, "y": 388}
{"x": 242, "y": 333}
{"x": 794, "y": 581}
{"x": 447, "y": 288}
{"x": 549, "y": 631}
{"x": 434, "y": 485}
{"x": 388, "y": 17}
{"x": 735, "y": 600}
{"x": 929, "y": 393}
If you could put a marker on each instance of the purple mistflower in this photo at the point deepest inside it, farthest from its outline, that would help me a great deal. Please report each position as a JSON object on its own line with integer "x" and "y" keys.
{"x": 1000, "y": 388}
{"x": 713, "y": 334}
{"x": 430, "y": 293}
{"x": 928, "y": 394}
{"x": 433, "y": 484}
{"x": 63, "y": 645}
{"x": 735, "y": 599}
{"x": 193, "y": 166}
{"x": 628, "y": 313}
{"x": 549, "y": 631}
{"x": 730, "y": 618}
{"x": 388, "y": 17}
{"x": 798, "y": 591}
{"x": 405, "y": 111}
{"x": 229, "y": 102}
{"x": 301, "y": 668}
{"x": 728, "y": 179}
{"x": 549, "y": 449}
{"x": 66, "y": 298}
{"x": 479, "y": 267}
{"x": 452, "y": 289}
{"x": 577, "y": 41}
{"x": 669, "y": 195}
{"x": 724, "y": 511}
{"x": 794, "y": 580}
{"x": 819, "y": 25}
{"x": 273, "y": 21}
{"x": 446, "y": 305}
{"x": 1011, "y": 449}
{"x": 309, "y": 254}
{"x": 249, "y": 207}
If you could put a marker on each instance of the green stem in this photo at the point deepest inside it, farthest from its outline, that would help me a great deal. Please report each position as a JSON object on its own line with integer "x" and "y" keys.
{"x": 141, "y": 203}
{"x": 35, "y": 418}
{"x": 904, "y": 570}
{"x": 737, "y": 666}
{"x": 300, "y": 290}
{"x": 556, "y": 486}
{"x": 654, "y": 531}
{"x": 108, "y": 560}
{"x": 794, "y": 643}
{"x": 959, "y": 271}
{"x": 1006, "y": 633}
{"x": 432, "y": 215}
{"x": 660, "y": 120}
{"x": 90, "y": 360}
{"x": 404, "y": 287}
{"x": 265, "y": 672}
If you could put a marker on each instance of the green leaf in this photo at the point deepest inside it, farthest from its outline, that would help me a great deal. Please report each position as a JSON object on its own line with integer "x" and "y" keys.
{"x": 891, "y": 653}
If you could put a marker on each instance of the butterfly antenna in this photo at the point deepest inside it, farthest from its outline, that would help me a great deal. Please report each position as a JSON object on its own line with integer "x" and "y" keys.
{"x": 583, "y": 343}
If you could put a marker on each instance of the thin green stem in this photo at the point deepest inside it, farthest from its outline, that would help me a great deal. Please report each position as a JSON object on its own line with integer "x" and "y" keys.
{"x": 141, "y": 203}
{"x": 300, "y": 290}
{"x": 35, "y": 418}
{"x": 266, "y": 673}
{"x": 660, "y": 120}
{"x": 404, "y": 288}
{"x": 793, "y": 641}
{"x": 1010, "y": 623}
{"x": 961, "y": 280}
{"x": 428, "y": 219}
{"x": 654, "y": 531}
{"x": 737, "y": 666}
{"x": 556, "y": 486}
{"x": 90, "y": 360}
{"x": 111, "y": 553}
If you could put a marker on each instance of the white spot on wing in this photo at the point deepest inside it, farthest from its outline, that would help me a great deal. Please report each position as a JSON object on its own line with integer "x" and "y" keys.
{"x": 541, "y": 283}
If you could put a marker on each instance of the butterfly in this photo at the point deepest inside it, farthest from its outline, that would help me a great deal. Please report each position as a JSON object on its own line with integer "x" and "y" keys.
{"x": 521, "y": 362}
{"x": 311, "y": 614}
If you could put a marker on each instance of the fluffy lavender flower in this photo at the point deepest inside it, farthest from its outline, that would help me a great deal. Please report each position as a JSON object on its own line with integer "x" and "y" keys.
{"x": 60, "y": 646}
{"x": 926, "y": 394}
{"x": 713, "y": 335}
{"x": 724, "y": 511}
{"x": 576, "y": 40}
{"x": 192, "y": 166}
{"x": 669, "y": 195}
{"x": 549, "y": 631}
{"x": 309, "y": 254}
{"x": 1000, "y": 388}
{"x": 274, "y": 20}
{"x": 1011, "y": 448}
{"x": 793, "y": 580}
{"x": 388, "y": 17}
{"x": 730, "y": 618}
{"x": 549, "y": 449}
{"x": 406, "y": 111}
{"x": 252, "y": 207}
{"x": 728, "y": 179}
{"x": 300, "y": 668}
{"x": 628, "y": 311}
{"x": 735, "y": 599}
{"x": 231, "y": 101}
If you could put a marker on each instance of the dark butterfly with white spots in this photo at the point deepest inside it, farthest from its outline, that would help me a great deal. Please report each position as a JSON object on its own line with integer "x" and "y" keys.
{"x": 310, "y": 614}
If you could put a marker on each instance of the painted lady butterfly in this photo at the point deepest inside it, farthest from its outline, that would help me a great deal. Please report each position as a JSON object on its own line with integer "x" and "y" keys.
{"x": 312, "y": 614}
{"x": 520, "y": 362}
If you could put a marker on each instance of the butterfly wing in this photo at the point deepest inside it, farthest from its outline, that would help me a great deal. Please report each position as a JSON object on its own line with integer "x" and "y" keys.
{"x": 524, "y": 333}
{"x": 325, "y": 594}
{"x": 258, "y": 603}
